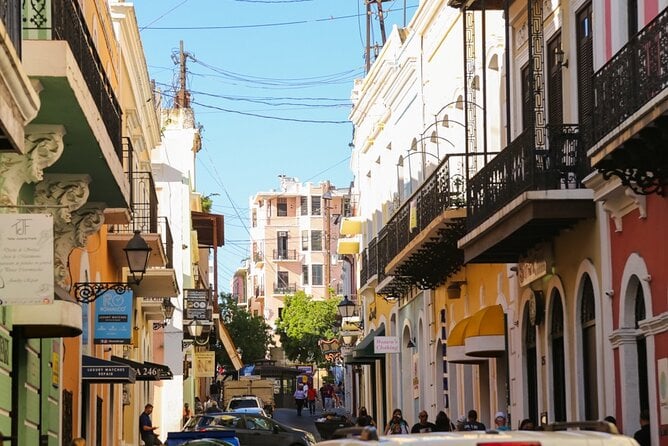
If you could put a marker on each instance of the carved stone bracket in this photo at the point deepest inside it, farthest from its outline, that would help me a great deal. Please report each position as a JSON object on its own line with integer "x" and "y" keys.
{"x": 64, "y": 196}
{"x": 44, "y": 146}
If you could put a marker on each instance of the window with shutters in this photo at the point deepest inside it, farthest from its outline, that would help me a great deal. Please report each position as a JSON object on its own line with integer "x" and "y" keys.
{"x": 303, "y": 205}
{"x": 282, "y": 207}
{"x": 305, "y": 240}
{"x": 316, "y": 208}
{"x": 316, "y": 240}
{"x": 317, "y": 276}
{"x": 305, "y": 269}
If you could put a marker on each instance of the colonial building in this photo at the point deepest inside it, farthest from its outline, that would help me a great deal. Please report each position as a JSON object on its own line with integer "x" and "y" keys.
{"x": 294, "y": 232}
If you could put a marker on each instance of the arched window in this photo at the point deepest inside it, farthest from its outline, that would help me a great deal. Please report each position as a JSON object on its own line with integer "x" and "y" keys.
{"x": 531, "y": 366}
{"x": 641, "y": 348}
{"x": 558, "y": 360}
{"x": 589, "y": 362}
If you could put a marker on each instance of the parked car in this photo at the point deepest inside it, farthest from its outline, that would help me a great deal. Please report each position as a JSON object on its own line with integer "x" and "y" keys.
{"x": 560, "y": 434}
{"x": 207, "y": 442}
{"x": 250, "y": 429}
{"x": 247, "y": 404}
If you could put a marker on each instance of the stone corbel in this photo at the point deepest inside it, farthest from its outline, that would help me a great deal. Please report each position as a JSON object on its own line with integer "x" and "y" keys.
{"x": 64, "y": 197}
{"x": 44, "y": 145}
{"x": 61, "y": 195}
{"x": 72, "y": 235}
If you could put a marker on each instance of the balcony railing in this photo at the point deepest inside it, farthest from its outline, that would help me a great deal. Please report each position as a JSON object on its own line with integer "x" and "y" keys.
{"x": 284, "y": 254}
{"x": 10, "y": 14}
{"x": 285, "y": 288}
{"x": 372, "y": 258}
{"x": 364, "y": 269}
{"x": 520, "y": 167}
{"x": 632, "y": 78}
{"x": 67, "y": 23}
{"x": 167, "y": 240}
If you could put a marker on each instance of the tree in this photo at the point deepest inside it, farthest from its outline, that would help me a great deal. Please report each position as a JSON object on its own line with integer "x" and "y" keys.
{"x": 251, "y": 333}
{"x": 303, "y": 323}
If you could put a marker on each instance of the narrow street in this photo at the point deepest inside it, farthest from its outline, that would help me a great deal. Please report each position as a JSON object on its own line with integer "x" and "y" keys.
{"x": 306, "y": 421}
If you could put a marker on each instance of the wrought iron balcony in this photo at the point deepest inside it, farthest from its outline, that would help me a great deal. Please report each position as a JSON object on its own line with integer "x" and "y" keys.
{"x": 167, "y": 241}
{"x": 632, "y": 78}
{"x": 284, "y": 254}
{"x": 364, "y": 269}
{"x": 68, "y": 23}
{"x": 285, "y": 288}
{"x": 521, "y": 167}
{"x": 630, "y": 118}
{"x": 10, "y": 14}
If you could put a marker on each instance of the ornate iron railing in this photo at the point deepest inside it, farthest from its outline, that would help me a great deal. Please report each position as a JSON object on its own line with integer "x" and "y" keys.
{"x": 372, "y": 258}
{"x": 520, "y": 168}
{"x": 364, "y": 269}
{"x": 67, "y": 23}
{"x": 635, "y": 75}
{"x": 284, "y": 254}
{"x": 167, "y": 241}
{"x": 10, "y": 14}
{"x": 285, "y": 288}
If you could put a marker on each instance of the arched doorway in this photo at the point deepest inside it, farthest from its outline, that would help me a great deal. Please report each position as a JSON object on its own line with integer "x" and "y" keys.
{"x": 557, "y": 356}
{"x": 589, "y": 360}
{"x": 531, "y": 367}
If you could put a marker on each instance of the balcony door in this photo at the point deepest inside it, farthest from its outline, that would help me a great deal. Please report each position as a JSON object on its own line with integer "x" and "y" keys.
{"x": 555, "y": 102}
{"x": 585, "y": 69}
{"x": 282, "y": 245}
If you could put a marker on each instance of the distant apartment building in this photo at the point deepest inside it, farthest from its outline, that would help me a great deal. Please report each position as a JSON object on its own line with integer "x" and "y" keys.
{"x": 294, "y": 232}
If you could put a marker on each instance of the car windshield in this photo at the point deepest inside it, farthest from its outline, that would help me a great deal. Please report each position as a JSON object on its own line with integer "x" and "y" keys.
{"x": 241, "y": 404}
{"x": 212, "y": 421}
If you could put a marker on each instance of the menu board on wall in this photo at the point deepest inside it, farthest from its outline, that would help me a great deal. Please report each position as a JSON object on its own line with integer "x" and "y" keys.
{"x": 26, "y": 259}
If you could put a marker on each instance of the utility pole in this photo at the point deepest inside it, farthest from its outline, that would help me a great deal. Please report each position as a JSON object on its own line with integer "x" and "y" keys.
{"x": 327, "y": 199}
{"x": 182, "y": 99}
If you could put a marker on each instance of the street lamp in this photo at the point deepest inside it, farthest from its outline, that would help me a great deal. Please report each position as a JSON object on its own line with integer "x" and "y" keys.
{"x": 137, "y": 253}
{"x": 346, "y": 307}
{"x": 168, "y": 311}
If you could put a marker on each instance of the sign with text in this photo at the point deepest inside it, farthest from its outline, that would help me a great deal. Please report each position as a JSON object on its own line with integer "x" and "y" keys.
{"x": 26, "y": 259}
{"x": 205, "y": 364}
{"x": 113, "y": 318}
{"x": 196, "y": 306}
{"x": 386, "y": 344}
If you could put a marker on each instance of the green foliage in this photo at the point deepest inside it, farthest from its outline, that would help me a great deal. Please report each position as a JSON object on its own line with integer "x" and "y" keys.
{"x": 250, "y": 333}
{"x": 303, "y": 323}
{"x": 207, "y": 202}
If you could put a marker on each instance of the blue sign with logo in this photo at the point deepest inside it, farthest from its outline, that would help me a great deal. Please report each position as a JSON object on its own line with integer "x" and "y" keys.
{"x": 113, "y": 318}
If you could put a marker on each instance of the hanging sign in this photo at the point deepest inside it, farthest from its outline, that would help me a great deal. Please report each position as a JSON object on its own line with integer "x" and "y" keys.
{"x": 205, "y": 364}
{"x": 113, "y": 318}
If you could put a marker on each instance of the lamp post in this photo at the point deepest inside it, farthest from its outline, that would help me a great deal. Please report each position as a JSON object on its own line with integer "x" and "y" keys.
{"x": 346, "y": 307}
{"x": 168, "y": 311}
{"x": 137, "y": 253}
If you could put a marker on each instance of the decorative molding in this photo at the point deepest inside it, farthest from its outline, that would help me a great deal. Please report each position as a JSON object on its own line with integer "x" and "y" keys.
{"x": 44, "y": 145}
{"x": 64, "y": 196}
{"x": 655, "y": 325}
{"x": 623, "y": 336}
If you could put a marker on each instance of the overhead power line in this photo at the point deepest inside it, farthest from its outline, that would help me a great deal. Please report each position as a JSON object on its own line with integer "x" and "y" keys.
{"x": 265, "y": 25}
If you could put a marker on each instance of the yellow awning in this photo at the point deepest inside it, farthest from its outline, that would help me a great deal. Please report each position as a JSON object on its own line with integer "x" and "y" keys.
{"x": 456, "y": 350}
{"x": 485, "y": 333}
{"x": 228, "y": 343}
{"x": 351, "y": 226}
{"x": 347, "y": 246}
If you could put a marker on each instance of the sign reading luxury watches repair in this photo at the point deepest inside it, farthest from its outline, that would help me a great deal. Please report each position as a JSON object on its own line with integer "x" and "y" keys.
{"x": 197, "y": 305}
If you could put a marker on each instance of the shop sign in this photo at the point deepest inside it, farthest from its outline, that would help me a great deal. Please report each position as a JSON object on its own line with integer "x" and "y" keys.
{"x": 386, "y": 344}
{"x": 113, "y": 318}
{"x": 26, "y": 259}
{"x": 534, "y": 265}
{"x": 196, "y": 305}
{"x": 205, "y": 364}
{"x": 5, "y": 352}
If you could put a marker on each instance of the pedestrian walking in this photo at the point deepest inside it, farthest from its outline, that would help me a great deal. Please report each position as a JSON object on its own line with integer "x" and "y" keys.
{"x": 199, "y": 408}
{"x": 472, "y": 423}
{"x": 186, "y": 413}
{"x": 397, "y": 424}
{"x": 300, "y": 398}
{"x": 311, "y": 398}
{"x": 527, "y": 425}
{"x": 423, "y": 425}
{"x": 146, "y": 428}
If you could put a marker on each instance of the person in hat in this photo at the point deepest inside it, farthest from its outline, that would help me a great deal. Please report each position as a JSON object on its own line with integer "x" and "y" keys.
{"x": 501, "y": 422}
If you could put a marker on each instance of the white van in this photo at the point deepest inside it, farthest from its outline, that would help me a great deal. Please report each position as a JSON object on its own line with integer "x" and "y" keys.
{"x": 589, "y": 433}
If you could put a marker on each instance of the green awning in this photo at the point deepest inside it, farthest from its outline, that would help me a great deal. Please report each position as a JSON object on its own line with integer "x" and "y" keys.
{"x": 364, "y": 350}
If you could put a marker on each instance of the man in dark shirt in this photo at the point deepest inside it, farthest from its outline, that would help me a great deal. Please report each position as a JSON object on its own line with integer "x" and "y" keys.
{"x": 146, "y": 426}
{"x": 423, "y": 425}
{"x": 642, "y": 436}
{"x": 472, "y": 423}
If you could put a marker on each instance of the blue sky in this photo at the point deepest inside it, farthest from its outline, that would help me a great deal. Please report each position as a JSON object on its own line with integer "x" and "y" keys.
{"x": 260, "y": 70}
